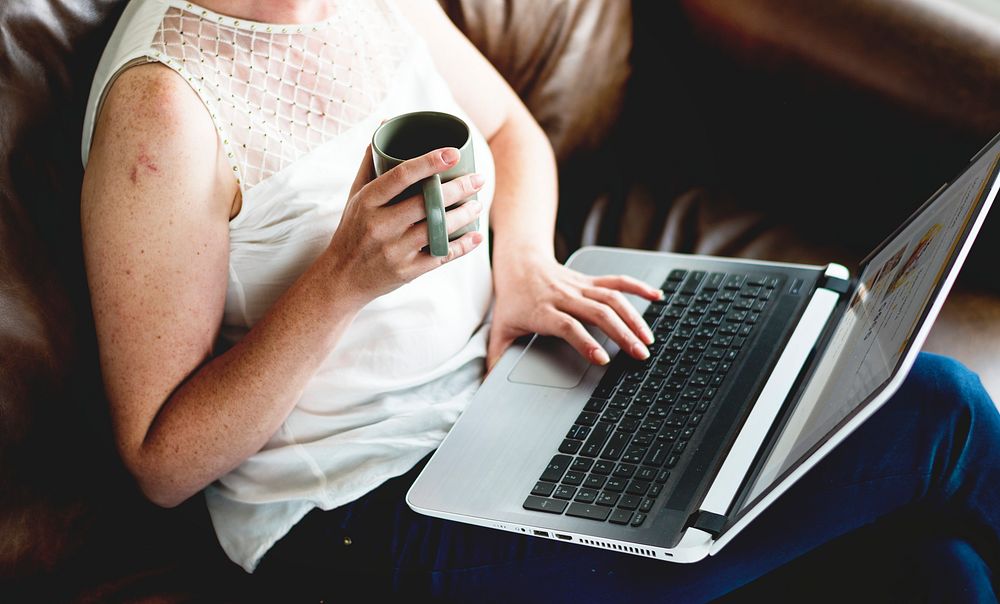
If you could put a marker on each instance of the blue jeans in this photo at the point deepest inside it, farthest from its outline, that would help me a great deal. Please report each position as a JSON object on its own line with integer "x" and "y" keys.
{"x": 911, "y": 500}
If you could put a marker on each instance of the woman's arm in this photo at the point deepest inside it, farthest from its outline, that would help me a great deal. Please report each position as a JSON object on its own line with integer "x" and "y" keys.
{"x": 534, "y": 293}
{"x": 156, "y": 204}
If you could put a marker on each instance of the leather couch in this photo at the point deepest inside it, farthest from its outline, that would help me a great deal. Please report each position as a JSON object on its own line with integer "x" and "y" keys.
{"x": 794, "y": 131}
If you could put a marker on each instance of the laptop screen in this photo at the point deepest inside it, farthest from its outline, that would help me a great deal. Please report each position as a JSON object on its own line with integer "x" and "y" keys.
{"x": 895, "y": 291}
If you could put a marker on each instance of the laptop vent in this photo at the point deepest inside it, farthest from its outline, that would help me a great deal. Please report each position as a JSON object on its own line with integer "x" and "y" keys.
{"x": 621, "y": 548}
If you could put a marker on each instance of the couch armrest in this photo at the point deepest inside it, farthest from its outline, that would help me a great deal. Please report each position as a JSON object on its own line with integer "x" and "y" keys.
{"x": 938, "y": 57}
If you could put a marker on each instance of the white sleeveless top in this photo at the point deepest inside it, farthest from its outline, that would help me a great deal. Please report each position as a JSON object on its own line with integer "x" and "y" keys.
{"x": 295, "y": 106}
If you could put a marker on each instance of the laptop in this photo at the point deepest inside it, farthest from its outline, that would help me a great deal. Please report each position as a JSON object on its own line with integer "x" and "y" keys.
{"x": 758, "y": 371}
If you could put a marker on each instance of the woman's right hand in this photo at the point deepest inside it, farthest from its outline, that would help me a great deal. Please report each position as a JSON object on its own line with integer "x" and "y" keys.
{"x": 379, "y": 245}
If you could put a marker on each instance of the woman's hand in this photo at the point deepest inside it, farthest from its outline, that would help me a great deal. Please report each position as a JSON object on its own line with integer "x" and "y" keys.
{"x": 379, "y": 245}
{"x": 536, "y": 294}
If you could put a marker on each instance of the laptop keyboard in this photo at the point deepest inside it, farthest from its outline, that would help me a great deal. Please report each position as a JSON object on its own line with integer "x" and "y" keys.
{"x": 617, "y": 456}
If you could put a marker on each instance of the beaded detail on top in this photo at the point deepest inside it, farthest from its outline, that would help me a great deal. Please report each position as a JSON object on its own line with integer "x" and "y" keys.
{"x": 276, "y": 92}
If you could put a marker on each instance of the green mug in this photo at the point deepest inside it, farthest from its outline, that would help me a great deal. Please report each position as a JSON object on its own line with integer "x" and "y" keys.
{"x": 413, "y": 134}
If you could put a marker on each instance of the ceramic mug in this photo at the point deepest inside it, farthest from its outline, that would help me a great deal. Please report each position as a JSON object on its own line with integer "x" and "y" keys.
{"x": 412, "y": 135}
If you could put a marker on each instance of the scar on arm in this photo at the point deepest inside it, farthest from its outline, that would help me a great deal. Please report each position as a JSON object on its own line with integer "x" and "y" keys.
{"x": 142, "y": 162}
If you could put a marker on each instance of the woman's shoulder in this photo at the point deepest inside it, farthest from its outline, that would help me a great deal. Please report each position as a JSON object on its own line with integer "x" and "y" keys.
{"x": 152, "y": 126}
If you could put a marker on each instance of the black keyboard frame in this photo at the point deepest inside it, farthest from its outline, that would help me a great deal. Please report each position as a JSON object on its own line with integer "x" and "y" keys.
{"x": 670, "y": 496}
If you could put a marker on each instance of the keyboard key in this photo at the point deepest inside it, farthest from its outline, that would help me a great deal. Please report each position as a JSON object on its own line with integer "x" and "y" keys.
{"x": 733, "y": 282}
{"x": 612, "y": 415}
{"x": 658, "y": 454}
{"x": 608, "y": 498}
{"x": 629, "y": 502}
{"x": 603, "y": 391}
{"x": 586, "y": 495}
{"x": 692, "y": 282}
{"x": 578, "y": 432}
{"x": 642, "y": 439}
{"x": 595, "y": 481}
{"x": 595, "y": 405}
{"x": 603, "y": 467}
{"x": 620, "y": 516}
{"x": 663, "y": 476}
{"x": 672, "y": 460}
{"x": 587, "y": 418}
{"x": 583, "y": 510}
{"x": 573, "y": 479}
{"x": 646, "y": 506}
{"x": 714, "y": 281}
{"x": 543, "y": 489}
{"x": 634, "y": 454}
{"x": 629, "y": 425}
{"x": 570, "y": 446}
{"x": 638, "y": 518}
{"x": 624, "y": 470}
{"x": 541, "y": 504}
{"x": 652, "y": 425}
{"x": 595, "y": 442}
{"x": 646, "y": 473}
{"x": 556, "y": 468}
{"x": 615, "y": 485}
{"x": 677, "y": 275}
{"x": 619, "y": 402}
{"x": 637, "y": 487}
{"x": 564, "y": 492}
{"x": 616, "y": 445}
{"x": 654, "y": 490}
{"x": 666, "y": 397}
{"x": 582, "y": 464}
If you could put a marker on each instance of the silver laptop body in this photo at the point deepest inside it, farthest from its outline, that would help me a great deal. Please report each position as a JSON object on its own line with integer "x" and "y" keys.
{"x": 826, "y": 353}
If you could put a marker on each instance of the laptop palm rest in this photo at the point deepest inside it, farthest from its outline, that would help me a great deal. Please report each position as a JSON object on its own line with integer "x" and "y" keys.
{"x": 551, "y": 361}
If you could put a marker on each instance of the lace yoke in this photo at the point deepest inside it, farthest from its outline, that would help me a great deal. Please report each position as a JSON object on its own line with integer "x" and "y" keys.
{"x": 277, "y": 92}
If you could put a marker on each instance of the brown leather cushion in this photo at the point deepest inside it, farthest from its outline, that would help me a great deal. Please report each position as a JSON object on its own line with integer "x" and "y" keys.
{"x": 546, "y": 48}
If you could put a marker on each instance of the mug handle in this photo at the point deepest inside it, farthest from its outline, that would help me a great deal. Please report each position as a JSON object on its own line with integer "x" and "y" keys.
{"x": 434, "y": 204}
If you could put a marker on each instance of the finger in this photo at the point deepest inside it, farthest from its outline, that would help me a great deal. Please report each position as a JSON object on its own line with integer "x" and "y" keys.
{"x": 416, "y": 236}
{"x": 396, "y": 180}
{"x": 412, "y": 208}
{"x": 609, "y": 322}
{"x": 625, "y": 310}
{"x": 570, "y": 329}
{"x": 456, "y": 249}
{"x": 629, "y": 285}
{"x": 366, "y": 172}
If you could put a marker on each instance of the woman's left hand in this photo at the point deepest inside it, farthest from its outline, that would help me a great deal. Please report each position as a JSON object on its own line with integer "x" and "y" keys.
{"x": 536, "y": 294}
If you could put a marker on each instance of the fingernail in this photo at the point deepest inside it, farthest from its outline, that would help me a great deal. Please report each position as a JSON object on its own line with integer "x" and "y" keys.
{"x": 474, "y": 205}
{"x": 601, "y": 356}
{"x": 647, "y": 334}
{"x": 660, "y": 294}
{"x": 449, "y": 156}
{"x": 638, "y": 350}
{"x": 477, "y": 237}
{"x": 477, "y": 180}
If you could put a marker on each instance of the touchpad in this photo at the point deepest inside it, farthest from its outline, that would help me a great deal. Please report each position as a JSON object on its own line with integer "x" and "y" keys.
{"x": 551, "y": 361}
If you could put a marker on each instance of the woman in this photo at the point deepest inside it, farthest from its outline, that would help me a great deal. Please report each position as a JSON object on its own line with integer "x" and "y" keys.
{"x": 271, "y": 333}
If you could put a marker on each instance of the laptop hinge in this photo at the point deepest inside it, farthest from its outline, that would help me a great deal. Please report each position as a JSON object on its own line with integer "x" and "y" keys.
{"x": 835, "y": 284}
{"x": 710, "y": 522}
